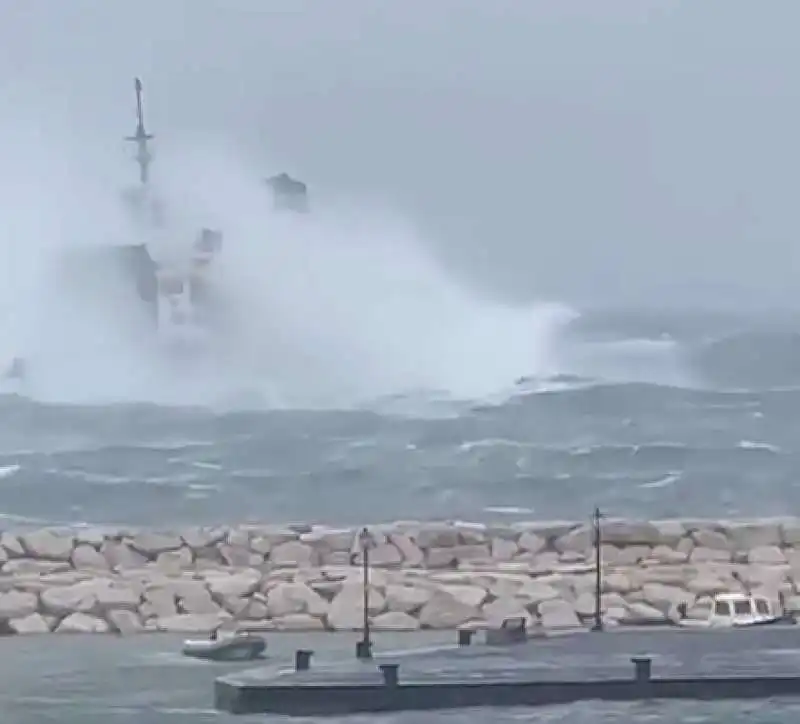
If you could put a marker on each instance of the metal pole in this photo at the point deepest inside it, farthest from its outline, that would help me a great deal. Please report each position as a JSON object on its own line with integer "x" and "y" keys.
{"x": 598, "y": 574}
{"x": 364, "y": 647}
{"x": 141, "y": 137}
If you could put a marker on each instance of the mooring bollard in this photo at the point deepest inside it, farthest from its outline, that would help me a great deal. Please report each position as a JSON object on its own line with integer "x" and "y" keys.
{"x": 389, "y": 672}
{"x": 642, "y": 664}
{"x": 302, "y": 660}
{"x": 363, "y": 650}
{"x": 465, "y": 636}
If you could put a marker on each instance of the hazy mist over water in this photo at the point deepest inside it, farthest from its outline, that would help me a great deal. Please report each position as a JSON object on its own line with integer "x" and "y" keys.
{"x": 566, "y": 193}
{"x": 608, "y": 153}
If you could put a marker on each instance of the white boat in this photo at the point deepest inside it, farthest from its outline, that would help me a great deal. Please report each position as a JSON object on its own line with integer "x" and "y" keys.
{"x": 735, "y": 610}
{"x": 237, "y": 647}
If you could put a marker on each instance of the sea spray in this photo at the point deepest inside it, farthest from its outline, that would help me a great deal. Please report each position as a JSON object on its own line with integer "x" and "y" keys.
{"x": 326, "y": 309}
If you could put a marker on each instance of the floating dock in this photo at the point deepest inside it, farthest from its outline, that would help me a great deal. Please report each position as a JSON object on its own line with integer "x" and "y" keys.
{"x": 620, "y": 665}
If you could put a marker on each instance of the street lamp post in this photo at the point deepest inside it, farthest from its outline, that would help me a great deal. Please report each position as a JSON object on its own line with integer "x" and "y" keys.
{"x": 598, "y": 574}
{"x": 364, "y": 647}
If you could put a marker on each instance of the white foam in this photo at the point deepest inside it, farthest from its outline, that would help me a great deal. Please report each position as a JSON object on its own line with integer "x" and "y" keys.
{"x": 328, "y": 309}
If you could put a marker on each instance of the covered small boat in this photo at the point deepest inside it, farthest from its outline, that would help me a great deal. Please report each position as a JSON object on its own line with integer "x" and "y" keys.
{"x": 735, "y": 610}
{"x": 237, "y": 647}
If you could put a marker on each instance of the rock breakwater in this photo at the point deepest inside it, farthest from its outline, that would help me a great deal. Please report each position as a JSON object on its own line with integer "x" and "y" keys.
{"x": 422, "y": 575}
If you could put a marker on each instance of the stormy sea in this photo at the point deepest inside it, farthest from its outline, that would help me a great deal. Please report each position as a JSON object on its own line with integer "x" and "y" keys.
{"x": 649, "y": 414}
{"x": 355, "y": 378}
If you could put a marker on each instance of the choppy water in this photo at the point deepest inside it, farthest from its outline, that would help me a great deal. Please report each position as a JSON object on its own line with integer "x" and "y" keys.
{"x": 615, "y": 428}
{"x": 649, "y": 415}
{"x": 99, "y": 680}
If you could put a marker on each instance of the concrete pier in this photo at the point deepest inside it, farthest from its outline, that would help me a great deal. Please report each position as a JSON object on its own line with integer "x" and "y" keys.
{"x": 621, "y": 665}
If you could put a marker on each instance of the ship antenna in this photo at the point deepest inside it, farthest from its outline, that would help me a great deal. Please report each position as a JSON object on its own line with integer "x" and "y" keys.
{"x": 143, "y": 157}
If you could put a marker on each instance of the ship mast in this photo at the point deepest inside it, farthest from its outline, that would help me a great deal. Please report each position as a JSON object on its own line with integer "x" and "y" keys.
{"x": 143, "y": 157}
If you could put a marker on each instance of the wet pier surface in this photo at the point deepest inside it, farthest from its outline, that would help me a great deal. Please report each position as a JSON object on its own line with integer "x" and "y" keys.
{"x": 761, "y": 661}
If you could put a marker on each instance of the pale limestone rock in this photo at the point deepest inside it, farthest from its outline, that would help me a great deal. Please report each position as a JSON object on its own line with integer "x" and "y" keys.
{"x": 437, "y": 536}
{"x": 197, "y": 538}
{"x": 334, "y": 558}
{"x": 33, "y": 566}
{"x": 87, "y": 556}
{"x": 233, "y": 605}
{"x": 585, "y": 604}
{"x": 556, "y": 614}
{"x": 48, "y": 545}
{"x": 663, "y": 554}
{"x": 92, "y": 536}
{"x": 549, "y": 530}
{"x": 639, "y": 613}
{"x": 240, "y": 584}
{"x": 618, "y": 583}
{"x": 255, "y": 611}
{"x": 198, "y": 602}
{"x": 625, "y": 533}
{"x": 502, "y": 586}
{"x": 33, "y": 623}
{"x": 406, "y": 598}
{"x": 383, "y": 555}
{"x": 179, "y": 587}
{"x": 685, "y": 545}
{"x": 327, "y": 589}
{"x": 239, "y": 538}
{"x": 287, "y": 598}
{"x": 346, "y": 611}
{"x": 11, "y": 545}
{"x": 545, "y": 562}
{"x": 503, "y": 550}
{"x": 711, "y": 540}
{"x": 707, "y": 585}
{"x": 471, "y": 533}
{"x": 239, "y": 556}
{"x": 633, "y": 554}
{"x": 763, "y": 576}
{"x": 330, "y": 539}
{"x": 158, "y": 603}
{"x": 292, "y": 554}
{"x": 150, "y": 544}
{"x": 63, "y": 600}
{"x": 120, "y": 555}
{"x": 766, "y": 555}
{"x": 705, "y": 555}
{"x": 792, "y": 604}
{"x": 663, "y": 598}
{"x": 500, "y": 609}
{"x": 175, "y": 561}
{"x": 753, "y": 534}
{"x": 412, "y": 555}
{"x": 450, "y": 557}
{"x": 443, "y": 611}
{"x": 790, "y": 532}
{"x": 124, "y": 621}
{"x": 578, "y": 540}
{"x": 298, "y": 622}
{"x": 529, "y": 542}
{"x": 82, "y": 623}
{"x": 534, "y": 592}
{"x": 191, "y": 622}
{"x": 394, "y": 621}
{"x": 472, "y": 596}
{"x": 670, "y": 575}
{"x": 117, "y": 597}
{"x": 670, "y": 532}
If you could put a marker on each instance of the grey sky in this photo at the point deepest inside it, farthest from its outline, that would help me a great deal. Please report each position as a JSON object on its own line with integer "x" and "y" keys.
{"x": 597, "y": 150}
